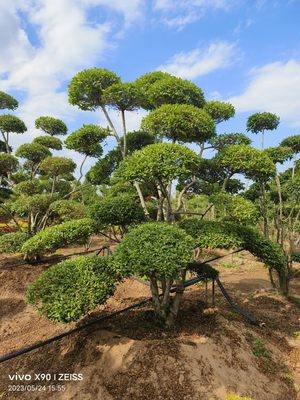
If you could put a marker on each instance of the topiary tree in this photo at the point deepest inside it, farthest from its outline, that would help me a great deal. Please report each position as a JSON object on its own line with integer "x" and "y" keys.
{"x": 56, "y": 237}
{"x": 55, "y": 166}
{"x": 261, "y": 122}
{"x": 123, "y": 97}
{"x": 10, "y": 124}
{"x": 219, "y": 111}
{"x": 33, "y": 153}
{"x": 159, "y": 164}
{"x": 160, "y": 252}
{"x": 51, "y": 126}
{"x": 72, "y": 288}
{"x": 8, "y": 102}
{"x": 180, "y": 122}
{"x": 86, "y": 140}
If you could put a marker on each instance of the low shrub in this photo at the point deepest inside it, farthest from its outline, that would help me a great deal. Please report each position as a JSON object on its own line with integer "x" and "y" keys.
{"x": 12, "y": 242}
{"x": 72, "y": 288}
{"x": 57, "y": 236}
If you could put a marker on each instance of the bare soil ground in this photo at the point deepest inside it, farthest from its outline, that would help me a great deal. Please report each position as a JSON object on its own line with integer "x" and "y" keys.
{"x": 209, "y": 353}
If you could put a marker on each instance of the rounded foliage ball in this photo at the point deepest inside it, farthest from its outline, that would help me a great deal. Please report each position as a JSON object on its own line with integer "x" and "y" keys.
{"x": 121, "y": 210}
{"x": 154, "y": 248}
{"x": 72, "y": 288}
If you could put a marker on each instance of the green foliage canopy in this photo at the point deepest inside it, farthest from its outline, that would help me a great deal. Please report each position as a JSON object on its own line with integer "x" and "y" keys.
{"x": 123, "y": 96}
{"x": 182, "y": 122}
{"x": 219, "y": 111}
{"x": 51, "y": 126}
{"x": 87, "y": 86}
{"x": 72, "y": 288}
{"x": 173, "y": 90}
{"x": 293, "y": 142}
{"x": 11, "y": 123}
{"x": 121, "y": 210}
{"x": 8, "y": 164}
{"x": 213, "y": 234}
{"x": 254, "y": 163}
{"x": 12, "y": 242}
{"x": 158, "y": 162}
{"x": 153, "y": 249}
{"x": 58, "y": 236}
{"x": 33, "y": 152}
{"x": 55, "y": 166}
{"x": 7, "y": 102}
{"x": 261, "y": 121}
{"x": 50, "y": 142}
{"x": 220, "y": 142}
{"x": 86, "y": 140}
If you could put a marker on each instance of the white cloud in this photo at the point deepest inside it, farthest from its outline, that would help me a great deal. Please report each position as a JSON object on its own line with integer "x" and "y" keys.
{"x": 275, "y": 88}
{"x": 66, "y": 43}
{"x": 200, "y": 62}
{"x": 179, "y": 13}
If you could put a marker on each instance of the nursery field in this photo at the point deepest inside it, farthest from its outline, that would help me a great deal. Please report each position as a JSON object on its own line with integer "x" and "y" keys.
{"x": 211, "y": 351}
{"x": 195, "y": 232}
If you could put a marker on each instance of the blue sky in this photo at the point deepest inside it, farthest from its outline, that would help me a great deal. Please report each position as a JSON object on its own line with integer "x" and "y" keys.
{"x": 246, "y": 52}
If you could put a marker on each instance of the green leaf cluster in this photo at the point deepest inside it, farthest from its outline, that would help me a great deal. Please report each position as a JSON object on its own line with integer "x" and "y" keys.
{"x": 52, "y": 126}
{"x": 121, "y": 210}
{"x": 11, "y": 123}
{"x": 153, "y": 249}
{"x": 7, "y": 102}
{"x": 255, "y": 164}
{"x": 213, "y": 234}
{"x": 219, "y": 111}
{"x": 12, "y": 242}
{"x": 86, "y": 140}
{"x": 72, "y": 288}
{"x": 58, "y": 236}
{"x": 87, "y": 86}
{"x": 180, "y": 122}
{"x": 50, "y": 142}
{"x": 158, "y": 162}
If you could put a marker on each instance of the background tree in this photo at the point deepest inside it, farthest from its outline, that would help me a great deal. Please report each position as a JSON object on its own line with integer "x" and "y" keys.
{"x": 261, "y": 122}
{"x": 87, "y": 140}
{"x": 8, "y": 102}
{"x": 10, "y": 124}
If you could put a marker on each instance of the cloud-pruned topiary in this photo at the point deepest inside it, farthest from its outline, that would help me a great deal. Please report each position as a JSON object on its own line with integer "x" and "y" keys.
{"x": 161, "y": 252}
{"x": 72, "y": 288}
{"x": 56, "y": 237}
{"x": 213, "y": 234}
{"x": 12, "y": 242}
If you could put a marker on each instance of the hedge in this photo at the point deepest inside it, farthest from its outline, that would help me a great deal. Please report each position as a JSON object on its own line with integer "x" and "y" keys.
{"x": 55, "y": 237}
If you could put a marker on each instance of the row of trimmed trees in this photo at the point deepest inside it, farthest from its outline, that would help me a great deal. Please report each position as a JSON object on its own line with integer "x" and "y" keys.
{"x": 151, "y": 175}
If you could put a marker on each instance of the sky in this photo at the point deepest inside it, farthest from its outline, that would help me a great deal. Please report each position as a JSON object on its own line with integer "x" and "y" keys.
{"x": 246, "y": 52}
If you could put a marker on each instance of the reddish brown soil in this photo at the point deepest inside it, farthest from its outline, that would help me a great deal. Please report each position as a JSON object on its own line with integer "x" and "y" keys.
{"x": 207, "y": 355}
